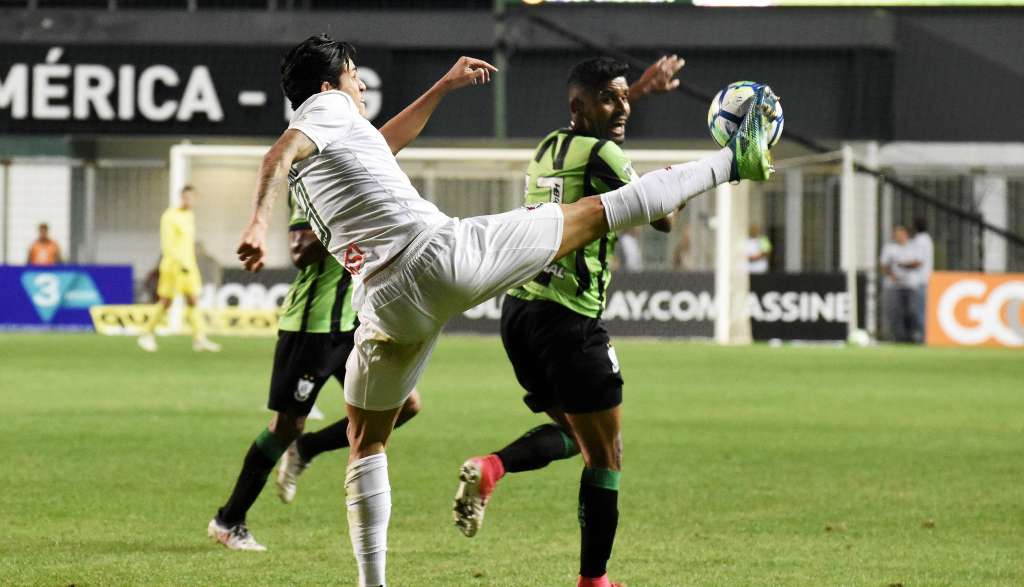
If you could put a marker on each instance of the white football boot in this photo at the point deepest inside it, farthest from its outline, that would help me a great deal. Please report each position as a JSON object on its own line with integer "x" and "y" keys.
{"x": 288, "y": 472}
{"x": 236, "y": 537}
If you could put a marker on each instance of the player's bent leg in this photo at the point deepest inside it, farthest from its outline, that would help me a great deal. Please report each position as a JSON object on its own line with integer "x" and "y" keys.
{"x": 368, "y": 490}
{"x": 228, "y": 526}
{"x": 334, "y": 437}
{"x": 478, "y": 476}
{"x": 412, "y": 406}
{"x": 598, "y": 434}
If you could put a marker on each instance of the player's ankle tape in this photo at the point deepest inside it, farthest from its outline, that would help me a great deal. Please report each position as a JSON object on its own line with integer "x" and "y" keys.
{"x": 603, "y": 478}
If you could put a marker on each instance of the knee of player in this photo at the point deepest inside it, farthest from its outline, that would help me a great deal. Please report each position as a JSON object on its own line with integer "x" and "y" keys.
{"x": 286, "y": 427}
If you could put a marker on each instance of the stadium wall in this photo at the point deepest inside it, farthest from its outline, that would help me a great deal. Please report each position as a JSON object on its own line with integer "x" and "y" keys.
{"x": 864, "y": 74}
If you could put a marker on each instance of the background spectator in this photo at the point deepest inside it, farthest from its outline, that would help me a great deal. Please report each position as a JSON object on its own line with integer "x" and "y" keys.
{"x": 758, "y": 249}
{"x": 628, "y": 252}
{"x": 922, "y": 266}
{"x": 44, "y": 251}
{"x": 899, "y": 286}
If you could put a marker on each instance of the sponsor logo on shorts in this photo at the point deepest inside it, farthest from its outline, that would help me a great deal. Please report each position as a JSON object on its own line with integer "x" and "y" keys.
{"x": 303, "y": 389}
{"x": 353, "y": 259}
{"x": 532, "y": 207}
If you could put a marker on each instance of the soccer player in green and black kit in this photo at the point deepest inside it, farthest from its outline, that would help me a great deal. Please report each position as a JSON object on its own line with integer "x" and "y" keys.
{"x": 317, "y": 325}
{"x": 552, "y": 328}
{"x": 315, "y": 337}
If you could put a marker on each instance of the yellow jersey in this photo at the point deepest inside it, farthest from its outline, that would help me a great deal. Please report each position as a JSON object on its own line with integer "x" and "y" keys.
{"x": 178, "y": 237}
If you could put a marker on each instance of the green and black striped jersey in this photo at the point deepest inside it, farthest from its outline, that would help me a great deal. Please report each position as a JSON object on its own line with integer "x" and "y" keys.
{"x": 320, "y": 298}
{"x": 566, "y": 167}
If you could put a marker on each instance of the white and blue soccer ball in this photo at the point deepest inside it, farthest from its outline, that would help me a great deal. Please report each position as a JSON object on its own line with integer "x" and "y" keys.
{"x": 729, "y": 106}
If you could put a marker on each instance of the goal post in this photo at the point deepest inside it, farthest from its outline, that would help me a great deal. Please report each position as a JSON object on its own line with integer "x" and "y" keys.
{"x": 732, "y": 280}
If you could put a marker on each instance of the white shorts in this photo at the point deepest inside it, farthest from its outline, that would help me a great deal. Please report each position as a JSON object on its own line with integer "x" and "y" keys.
{"x": 446, "y": 270}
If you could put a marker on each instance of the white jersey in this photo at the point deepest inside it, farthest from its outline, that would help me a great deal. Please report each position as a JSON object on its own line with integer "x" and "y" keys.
{"x": 360, "y": 203}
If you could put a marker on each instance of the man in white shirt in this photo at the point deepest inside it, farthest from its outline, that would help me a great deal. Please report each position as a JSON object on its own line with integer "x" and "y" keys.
{"x": 922, "y": 265}
{"x": 629, "y": 254}
{"x": 758, "y": 249}
{"x": 899, "y": 285}
{"x": 413, "y": 266}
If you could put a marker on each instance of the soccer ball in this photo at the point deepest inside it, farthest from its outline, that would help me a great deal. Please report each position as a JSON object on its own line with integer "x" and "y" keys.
{"x": 729, "y": 106}
{"x": 859, "y": 338}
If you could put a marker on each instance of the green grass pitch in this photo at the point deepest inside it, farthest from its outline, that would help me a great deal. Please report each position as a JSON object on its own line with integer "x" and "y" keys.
{"x": 743, "y": 466}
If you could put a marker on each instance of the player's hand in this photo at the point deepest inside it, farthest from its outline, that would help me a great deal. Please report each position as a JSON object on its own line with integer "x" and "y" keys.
{"x": 659, "y": 77}
{"x": 467, "y": 71}
{"x": 251, "y": 250}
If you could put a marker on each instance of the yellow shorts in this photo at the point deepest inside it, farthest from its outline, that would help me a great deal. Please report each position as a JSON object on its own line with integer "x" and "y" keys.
{"x": 178, "y": 279}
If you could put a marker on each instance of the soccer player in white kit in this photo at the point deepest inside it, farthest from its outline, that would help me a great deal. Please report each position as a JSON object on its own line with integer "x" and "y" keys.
{"x": 413, "y": 266}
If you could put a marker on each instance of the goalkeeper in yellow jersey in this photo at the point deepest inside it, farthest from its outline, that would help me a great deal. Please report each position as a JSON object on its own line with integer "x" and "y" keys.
{"x": 179, "y": 272}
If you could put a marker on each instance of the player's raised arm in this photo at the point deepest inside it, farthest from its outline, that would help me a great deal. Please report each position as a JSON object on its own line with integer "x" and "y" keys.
{"x": 407, "y": 124}
{"x": 273, "y": 181}
{"x": 658, "y": 78}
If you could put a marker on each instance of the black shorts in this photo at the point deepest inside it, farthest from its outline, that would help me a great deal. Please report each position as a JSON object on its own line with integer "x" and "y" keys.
{"x": 303, "y": 362}
{"x": 561, "y": 358}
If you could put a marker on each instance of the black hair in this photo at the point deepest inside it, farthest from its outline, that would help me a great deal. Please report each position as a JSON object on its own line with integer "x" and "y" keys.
{"x": 920, "y": 225}
{"x": 316, "y": 60}
{"x": 594, "y": 74}
{"x": 188, "y": 188}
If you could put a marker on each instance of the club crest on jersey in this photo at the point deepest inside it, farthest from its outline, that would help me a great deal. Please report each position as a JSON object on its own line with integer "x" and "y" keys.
{"x": 304, "y": 388}
{"x": 353, "y": 259}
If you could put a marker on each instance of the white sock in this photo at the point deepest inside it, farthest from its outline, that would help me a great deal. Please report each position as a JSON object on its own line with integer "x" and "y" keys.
{"x": 659, "y": 193}
{"x": 368, "y": 497}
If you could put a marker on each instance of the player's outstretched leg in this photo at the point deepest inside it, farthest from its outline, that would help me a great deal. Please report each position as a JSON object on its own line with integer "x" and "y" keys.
{"x": 334, "y": 437}
{"x": 478, "y": 476}
{"x": 598, "y": 436}
{"x": 659, "y": 193}
{"x": 228, "y": 526}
